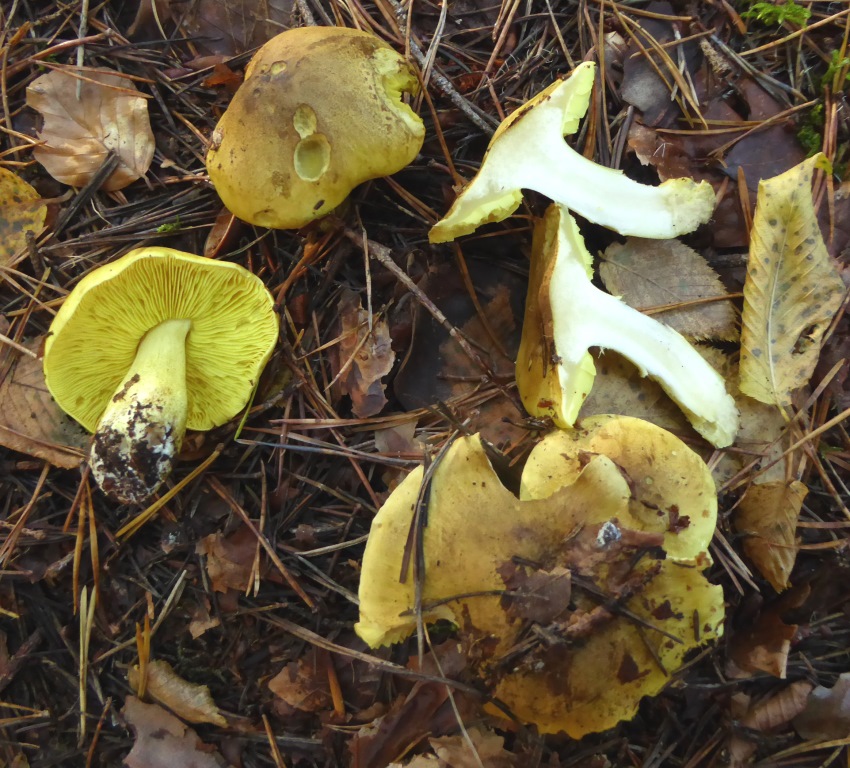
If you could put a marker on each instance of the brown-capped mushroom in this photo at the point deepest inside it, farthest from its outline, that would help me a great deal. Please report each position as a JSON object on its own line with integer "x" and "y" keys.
{"x": 320, "y": 112}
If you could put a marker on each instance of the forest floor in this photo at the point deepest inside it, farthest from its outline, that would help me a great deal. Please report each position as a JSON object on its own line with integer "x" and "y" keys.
{"x": 246, "y": 579}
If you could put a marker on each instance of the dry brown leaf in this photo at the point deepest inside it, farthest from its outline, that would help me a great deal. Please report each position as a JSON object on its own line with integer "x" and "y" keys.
{"x": 201, "y": 620}
{"x": 79, "y": 134}
{"x": 654, "y": 273}
{"x": 765, "y": 644}
{"x": 767, "y": 517}
{"x": 230, "y": 559}
{"x": 162, "y": 741}
{"x": 365, "y": 356}
{"x": 827, "y": 712}
{"x": 487, "y": 750}
{"x": 30, "y": 420}
{"x": 768, "y": 714}
{"x": 303, "y": 685}
{"x": 22, "y": 211}
{"x": 190, "y": 701}
{"x": 619, "y": 388}
{"x": 791, "y": 292}
{"x": 779, "y": 709}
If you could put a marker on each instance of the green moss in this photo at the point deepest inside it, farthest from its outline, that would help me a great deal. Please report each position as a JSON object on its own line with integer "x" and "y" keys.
{"x": 770, "y": 14}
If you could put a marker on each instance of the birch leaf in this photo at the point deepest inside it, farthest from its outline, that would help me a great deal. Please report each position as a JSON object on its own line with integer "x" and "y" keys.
{"x": 791, "y": 292}
{"x": 78, "y": 134}
{"x": 652, "y": 273}
{"x": 21, "y": 211}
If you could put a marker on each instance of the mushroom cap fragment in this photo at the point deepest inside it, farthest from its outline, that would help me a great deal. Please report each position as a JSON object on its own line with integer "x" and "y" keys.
{"x": 528, "y": 152}
{"x": 672, "y": 489}
{"x": 320, "y": 112}
{"x": 475, "y": 524}
{"x": 600, "y": 682}
{"x": 95, "y": 335}
{"x": 604, "y": 652}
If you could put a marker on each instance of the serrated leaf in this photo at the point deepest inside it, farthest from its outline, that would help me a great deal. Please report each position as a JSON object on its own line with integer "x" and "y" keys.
{"x": 652, "y": 273}
{"x": 78, "y": 134}
{"x": 791, "y": 292}
{"x": 21, "y": 211}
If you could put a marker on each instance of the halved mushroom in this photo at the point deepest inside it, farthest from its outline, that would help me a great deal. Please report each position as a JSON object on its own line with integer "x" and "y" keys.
{"x": 528, "y": 152}
{"x": 573, "y": 602}
{"x": 152, "y": 344}
{"x": 320, "y": 112}
{"x": 565, "y": 315}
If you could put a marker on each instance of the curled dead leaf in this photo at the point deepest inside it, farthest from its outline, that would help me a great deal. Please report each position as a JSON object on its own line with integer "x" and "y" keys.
{"x": 767, "y": 517}
{"x": 365, "y": 356}
{"x": 79, "y": 134}
{"x": 190, "y": 701}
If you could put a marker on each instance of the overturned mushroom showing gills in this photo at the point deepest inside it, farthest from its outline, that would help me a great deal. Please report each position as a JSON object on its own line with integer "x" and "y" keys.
{"x": 528, "y": 152}
{"x": 152, "y": 344}
{"x": 565, "y": 315}
{"x": 615, "y": 588}
{"x": 320, "y": 112}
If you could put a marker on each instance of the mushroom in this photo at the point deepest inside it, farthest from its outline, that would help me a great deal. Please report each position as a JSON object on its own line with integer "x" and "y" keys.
{"x": 573, "y": 601}
{"x": 565, "y": 314}
{"x": 320, "y": 112}
{"x": 671, "y": 491}
{"x": 528, "y": 152}
{"x": 152, "y": 344}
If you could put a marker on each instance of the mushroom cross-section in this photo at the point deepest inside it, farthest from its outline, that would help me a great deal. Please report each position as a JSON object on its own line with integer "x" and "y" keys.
{"x": 528, "y": 151}
{"x": 566, "y": 314}
{"x": 320, "y": 112}
{"x": 152, "y": 344}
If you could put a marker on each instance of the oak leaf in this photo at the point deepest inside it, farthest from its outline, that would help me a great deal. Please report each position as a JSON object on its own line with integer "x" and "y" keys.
{"x": 79, "y": 134}
{"x": 791, "y": 292}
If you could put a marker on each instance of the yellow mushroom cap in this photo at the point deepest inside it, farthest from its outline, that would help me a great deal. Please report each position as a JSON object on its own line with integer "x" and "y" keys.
{"x": 94, "y": 337}
{"x": 615, "y": 625}
{"x": 320, "y": 112}
{"x": 673, "y": 492}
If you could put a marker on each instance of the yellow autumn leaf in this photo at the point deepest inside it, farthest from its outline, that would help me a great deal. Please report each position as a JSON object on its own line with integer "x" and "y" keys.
{"x": 791, "y": 292}
{"x": 767, "y": 517}
{"x": 21, "y": 211}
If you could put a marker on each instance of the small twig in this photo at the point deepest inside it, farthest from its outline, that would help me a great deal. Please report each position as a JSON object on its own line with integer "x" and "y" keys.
{"x": 383, "y": 255}
{"x": 479, "y": 117}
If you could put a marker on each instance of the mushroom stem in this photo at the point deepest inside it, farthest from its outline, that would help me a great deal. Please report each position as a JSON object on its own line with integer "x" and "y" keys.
{"x": 582, "y": 316}
{"x": 142, "y": 428}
